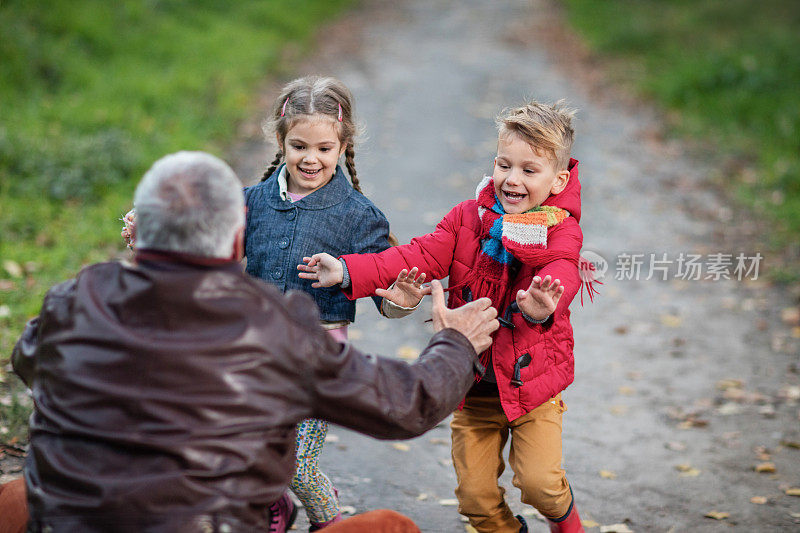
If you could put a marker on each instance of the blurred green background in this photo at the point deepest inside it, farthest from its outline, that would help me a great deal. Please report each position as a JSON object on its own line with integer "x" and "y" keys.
{"x": 727, "y": 75}
{"x": 92, "y": 92}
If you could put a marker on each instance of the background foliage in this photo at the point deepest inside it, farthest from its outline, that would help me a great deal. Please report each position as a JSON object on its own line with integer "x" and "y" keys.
{"x": 91, "y": 93}
{"x": 728, "y": 73}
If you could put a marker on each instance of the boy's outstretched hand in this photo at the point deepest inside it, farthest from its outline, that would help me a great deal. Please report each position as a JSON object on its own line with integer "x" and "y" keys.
{"x": 541, "y": 298}
{"x": 475, "y": 320}
{"x": 407, "y": 290}
{"x": 323, "y": 268}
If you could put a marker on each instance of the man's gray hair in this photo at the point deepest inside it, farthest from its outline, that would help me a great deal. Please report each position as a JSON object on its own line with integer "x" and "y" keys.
{"x": 190, "y": 202}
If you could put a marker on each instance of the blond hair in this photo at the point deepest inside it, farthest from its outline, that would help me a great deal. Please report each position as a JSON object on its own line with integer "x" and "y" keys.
{"x": 546, "y": 127}
{"x": 305, "y": 97}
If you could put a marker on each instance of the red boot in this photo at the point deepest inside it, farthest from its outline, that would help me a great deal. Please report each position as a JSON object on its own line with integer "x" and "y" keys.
{"x": 569, "y": 523}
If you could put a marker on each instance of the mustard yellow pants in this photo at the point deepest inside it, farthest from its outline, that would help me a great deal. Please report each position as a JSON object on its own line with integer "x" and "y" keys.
{"x": 479, "y": 433}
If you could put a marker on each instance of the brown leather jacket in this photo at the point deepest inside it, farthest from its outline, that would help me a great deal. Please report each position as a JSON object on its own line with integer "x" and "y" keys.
{"x": 167, "y": 393}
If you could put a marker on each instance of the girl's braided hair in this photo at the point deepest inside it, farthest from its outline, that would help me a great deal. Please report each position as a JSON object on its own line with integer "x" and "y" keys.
{"x": 314, "y": 95}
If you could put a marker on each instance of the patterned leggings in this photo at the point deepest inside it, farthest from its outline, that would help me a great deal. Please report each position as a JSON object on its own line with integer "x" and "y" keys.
{"x": 309, "y": 484}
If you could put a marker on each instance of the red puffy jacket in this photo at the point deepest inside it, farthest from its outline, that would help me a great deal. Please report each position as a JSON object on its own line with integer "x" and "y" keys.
{"x": 452, "y": 250}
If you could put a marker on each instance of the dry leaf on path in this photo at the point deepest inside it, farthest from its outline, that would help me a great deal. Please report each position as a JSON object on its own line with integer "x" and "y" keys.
{"x": 448, "y": 502}
{"x": 589, "y": 523}
{"x": 758, "y": 500}
{"x": 726, "y": 384}
{"x": 765, "y": 468}
{"x": 437, "y": 440}
{"x": 671, "y": 321}
{"x": 422, "y": 497}
{"x": 615, "y": 528}
{"x": 607, "y": 474}
{"x": 347, "y": 509}
{"x": 687, "y": 470}
{"x": 793, "y": 491}
{"x": 401, "y": 447}
{"x": 717, "y": 515}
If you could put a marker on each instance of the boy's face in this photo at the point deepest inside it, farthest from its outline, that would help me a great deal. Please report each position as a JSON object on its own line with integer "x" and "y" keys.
{"x": 524, "y": 177}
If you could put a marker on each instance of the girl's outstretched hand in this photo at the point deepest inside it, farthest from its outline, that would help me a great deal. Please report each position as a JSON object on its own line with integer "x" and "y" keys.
{"x": 541, "y": 298}
{"x": 322, "y": 268}
{"x": 407, "y": 290}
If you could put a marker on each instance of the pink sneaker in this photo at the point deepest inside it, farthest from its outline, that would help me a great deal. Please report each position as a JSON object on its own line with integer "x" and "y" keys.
{"x": 282, "y": 514}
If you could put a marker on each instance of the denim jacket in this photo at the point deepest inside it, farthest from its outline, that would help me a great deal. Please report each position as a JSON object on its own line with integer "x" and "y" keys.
{"x": 335, "y": 219}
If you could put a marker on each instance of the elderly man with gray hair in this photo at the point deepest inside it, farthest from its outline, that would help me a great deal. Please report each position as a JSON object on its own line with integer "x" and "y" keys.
{"x": 167, "y": 391}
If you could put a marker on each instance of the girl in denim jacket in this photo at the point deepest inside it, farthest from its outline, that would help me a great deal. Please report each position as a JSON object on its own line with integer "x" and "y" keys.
{"x": 304, "y": 203}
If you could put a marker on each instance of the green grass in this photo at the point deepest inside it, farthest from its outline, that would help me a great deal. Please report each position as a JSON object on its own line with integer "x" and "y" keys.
{"x": 728, "y": 73}
{"x": 91, "y": 93}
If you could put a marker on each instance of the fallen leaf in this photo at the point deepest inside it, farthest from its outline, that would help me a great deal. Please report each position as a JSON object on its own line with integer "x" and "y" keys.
{"x": 729, "y": 408}
{"x": 687, "y": 470}
{"x": 407, "y": 352}
{"x": 791, "y": 393}
{"x": 437, "y": 440}
{"x": 448, "y": 502}
{"x": 13, "y": 268}
{"x": 671, "y": 321}
{"x": 607, "y": 474}
{"x": 469, "y": 529}
{"x": 422, "y": 497}
{"x": 621, "y": 330}
{"x": 765, "y": 468}
{"x": 589, "y": 523}
{"x": 615, "y": 528}
{"x": 331, "y": 438}
{"x": 401, "y": 447}
{"x": 347, "y": 509}
{"x": 725, "y": 384}
{"x": 791, "y": 316}
{"x": 791, "y": 444}
{"x": 717, "y": 515}
{"x": 531, "y": 512}
{"x": 758, "y": 500}
{"x": 793, "y": 491}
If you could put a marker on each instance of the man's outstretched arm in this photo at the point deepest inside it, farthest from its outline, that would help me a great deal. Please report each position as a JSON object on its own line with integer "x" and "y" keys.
{"x": 391, "y": 399}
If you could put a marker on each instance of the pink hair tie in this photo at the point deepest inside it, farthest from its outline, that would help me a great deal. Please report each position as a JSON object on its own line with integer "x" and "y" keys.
{"x": 283, "y": 109}
{"x": 340, "y": 112}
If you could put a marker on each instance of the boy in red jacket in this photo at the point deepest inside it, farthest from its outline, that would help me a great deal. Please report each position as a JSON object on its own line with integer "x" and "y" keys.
{"x": 518, "y": 243}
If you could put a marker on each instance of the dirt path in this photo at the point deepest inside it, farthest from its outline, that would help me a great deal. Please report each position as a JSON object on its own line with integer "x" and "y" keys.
{"x": 649, "y": 397}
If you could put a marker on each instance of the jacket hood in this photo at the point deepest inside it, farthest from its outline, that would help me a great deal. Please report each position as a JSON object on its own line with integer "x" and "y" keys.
{"x": 570, "y": 197}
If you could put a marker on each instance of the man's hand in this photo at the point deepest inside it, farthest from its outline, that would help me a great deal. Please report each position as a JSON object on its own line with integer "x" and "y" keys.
{"x": 407, "y": 290}
{"x": 322, "y": 268}
{"x": 541, "y": 298}
{"x": 475, "y": 320}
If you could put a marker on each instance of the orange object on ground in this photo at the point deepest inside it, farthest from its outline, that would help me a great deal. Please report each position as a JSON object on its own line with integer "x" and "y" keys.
{"x": 13, "y": 507}
{"x": 380, "y": 521}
